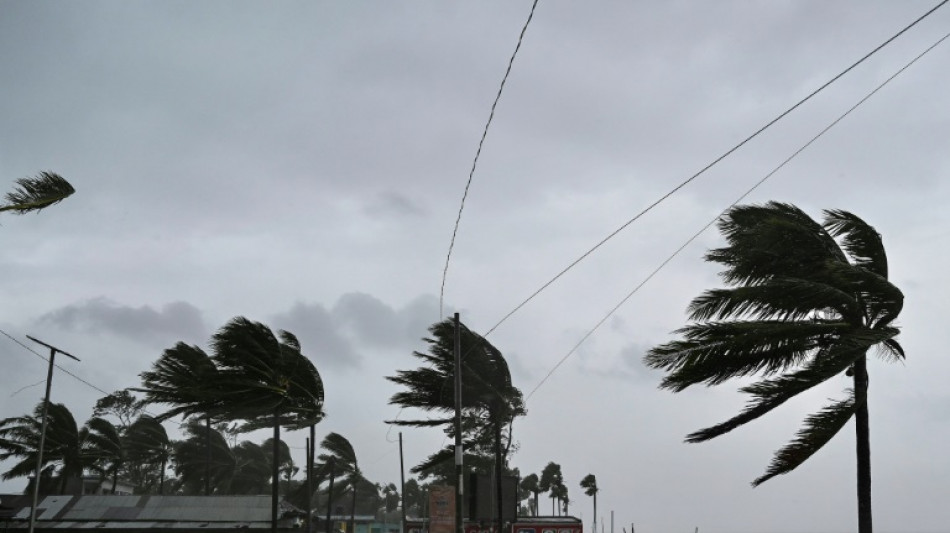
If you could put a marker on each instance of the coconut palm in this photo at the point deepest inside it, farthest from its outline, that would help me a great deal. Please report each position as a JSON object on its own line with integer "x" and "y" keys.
{"x": 805, "y": 303}
{"x": 185, "y": 378}
{"x": 490, "y": 402}
{"x": 339, "y": 453}
{"x": 589, "y": 484}
{"x": 104, "y": 446}
{"x": 550, "y": 481}
{"x": 148, "y": 450}
{"x": 34, "y": 194}
{"x": 266, "y": 380}
{"x": 64, "y": 449}
{"x": 530, "y": 484}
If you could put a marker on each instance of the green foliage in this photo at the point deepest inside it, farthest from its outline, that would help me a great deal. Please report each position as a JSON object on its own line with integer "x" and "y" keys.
{"x": 489, "y": 398}
{"x": 64, "y": 452}
{"x": 804, "y": 302}
{"x": 34, "y": 194}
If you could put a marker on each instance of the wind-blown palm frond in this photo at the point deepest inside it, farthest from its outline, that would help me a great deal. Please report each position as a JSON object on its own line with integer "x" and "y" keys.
{"x": 33, "y": 194}
{"x": 185, "y": 378}
{"x": 819, "y": 429}
{"x": 862, "y": 242}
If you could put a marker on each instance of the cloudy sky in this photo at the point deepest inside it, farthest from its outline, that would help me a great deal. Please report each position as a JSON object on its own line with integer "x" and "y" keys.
{"x": 302, "y": 164}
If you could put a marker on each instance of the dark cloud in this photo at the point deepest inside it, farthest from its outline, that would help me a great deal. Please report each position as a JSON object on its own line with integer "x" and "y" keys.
{"x": 319, "y": 336}
{"x": 391, "y": 203}
{"x": 176, "y": 320}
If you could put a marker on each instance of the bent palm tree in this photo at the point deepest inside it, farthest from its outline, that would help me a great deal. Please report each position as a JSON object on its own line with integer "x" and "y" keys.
{"x": 105, "y": 447}
{"x": 64, "y": 448}
{"x": 805, "y": 304}
{"x": 33, "y": 194}
{"x": 589, "y": 484}
{"x": 530, "y": 484}
{"x": 148, "y": 448}
{"x": 341, "y": 455}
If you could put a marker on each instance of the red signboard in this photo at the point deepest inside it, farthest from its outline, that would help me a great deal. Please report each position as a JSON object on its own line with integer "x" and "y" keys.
{"x": 441, "y": 509}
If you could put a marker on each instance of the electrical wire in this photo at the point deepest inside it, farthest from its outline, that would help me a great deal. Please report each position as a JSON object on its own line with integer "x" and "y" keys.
{"x": 478, "y": 152}
{"x": 739, "y": 199}
{"x": 61, "y": 369}
{"x": 710, "y": 165}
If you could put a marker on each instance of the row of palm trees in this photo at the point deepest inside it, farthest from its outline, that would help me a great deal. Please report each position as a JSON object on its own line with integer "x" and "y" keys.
{"x": 805, "y": 302}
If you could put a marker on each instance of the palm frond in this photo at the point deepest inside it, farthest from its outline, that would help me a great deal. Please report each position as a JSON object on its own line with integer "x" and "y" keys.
{"x": 769, "y": 394}
{"x": 33, "y": 194}
{"x": 861, "y": 241}
{"x": 779, "y": 298}
{"x": 819, "y": 429}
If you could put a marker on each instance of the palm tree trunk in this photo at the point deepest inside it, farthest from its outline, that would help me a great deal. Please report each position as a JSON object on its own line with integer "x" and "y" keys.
{"x": 207, "y": 456}
{"x": 498, "y": 472}
{"x": 275, "y": 490}
{"x": 330, "y": 495}
{"x": 161, "y": 477}
{"x": 595, "y": 513}
{"x": 352, "y": 528}
{"x": 863, "y": 438}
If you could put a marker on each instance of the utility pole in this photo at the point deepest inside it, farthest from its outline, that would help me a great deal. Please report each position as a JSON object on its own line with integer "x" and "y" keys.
{"x": 459, "y": 470}
{"x": 39, "y": 454}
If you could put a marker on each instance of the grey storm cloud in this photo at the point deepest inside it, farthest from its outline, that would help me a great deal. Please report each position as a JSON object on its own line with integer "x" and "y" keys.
{"x": 335, "y": 337}
{"x": 174, "y": 320}
{"x": 391, "y": 203}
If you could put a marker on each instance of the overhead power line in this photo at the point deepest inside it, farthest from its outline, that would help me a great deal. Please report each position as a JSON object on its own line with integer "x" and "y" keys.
{"x": 478, "y": 152}
{"x": 724, "y": 211}
{"x": 710, "y": 165}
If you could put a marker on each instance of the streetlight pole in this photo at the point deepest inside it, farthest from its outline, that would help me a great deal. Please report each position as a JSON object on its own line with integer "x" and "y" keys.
{"x": 39, "y": 454}
{"x": 459, "y": 467}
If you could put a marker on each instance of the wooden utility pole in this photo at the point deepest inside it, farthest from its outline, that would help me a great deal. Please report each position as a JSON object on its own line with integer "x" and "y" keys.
{"x": 459, "y": 467}
{"x": 39, "y": 453}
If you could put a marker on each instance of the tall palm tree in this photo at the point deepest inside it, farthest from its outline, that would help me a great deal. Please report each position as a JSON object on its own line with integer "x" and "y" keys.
{"x": 530, "y": 484}
{"x": 34, "y": 194}
{"x": 490, "y": 401}
{"x": 267, "y": 381}
{"x": 64, "y": 448}
{"x": 106, "y": 449}
{"x": 805, "y": 303}
{"x": 148, "y": 449}
{"x": 589, "y": 484}
{"x": 185, "y": 378}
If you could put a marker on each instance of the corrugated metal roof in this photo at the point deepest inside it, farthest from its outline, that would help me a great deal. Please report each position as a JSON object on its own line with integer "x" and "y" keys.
{"x": 47, "y": 508}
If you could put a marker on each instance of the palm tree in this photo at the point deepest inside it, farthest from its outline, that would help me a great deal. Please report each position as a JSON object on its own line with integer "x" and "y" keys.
{"x": 339, "y": 453}
{"x": 64, "y": 449}
{"x": 490, "y": 400}
{"x": 185, "y": 378}
{"x": 266, "y": 381}
{"x": 551, "y": 479}
{"x": 34, "y": 194}
{"x": 148, "y": 448}
{"x": 530, "y": 484}
{"x": 805, "y": 303}
{"x": 105, "y": 448}
{"x": 589, "y": 484}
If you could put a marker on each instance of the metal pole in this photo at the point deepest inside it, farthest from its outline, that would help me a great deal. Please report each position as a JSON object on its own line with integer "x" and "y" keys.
{"x": 459, "y": 469}
{"x": 402, "y": 486}
{"x": 39, "y": 453}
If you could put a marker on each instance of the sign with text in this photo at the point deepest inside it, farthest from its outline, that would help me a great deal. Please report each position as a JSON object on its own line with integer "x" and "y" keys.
{"x": 441, "y": 509}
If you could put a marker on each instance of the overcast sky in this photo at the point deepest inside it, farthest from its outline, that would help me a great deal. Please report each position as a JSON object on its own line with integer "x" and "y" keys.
{"x": 302, "y": 163}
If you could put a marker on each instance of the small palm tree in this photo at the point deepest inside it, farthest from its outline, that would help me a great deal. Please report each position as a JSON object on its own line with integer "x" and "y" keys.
{"x": 148, "y": 448}
{"x": 530, "y": 484}
{"x": 339, "y": 453}
{"x": 64, "y": 448}
{"x": 34, "y": 194}
{"x": 551, "y": 480}
{"x": 589, "y": 484}
{"x": 105, "y": 447}
{"x": 805, "y": 303}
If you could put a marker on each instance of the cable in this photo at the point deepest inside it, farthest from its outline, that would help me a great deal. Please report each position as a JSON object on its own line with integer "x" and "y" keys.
{"x": 739, "y": 199}
{"x": 67, "y": 372}
{"x": 478, "y": 152}
{"x": 710, "y": 165}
